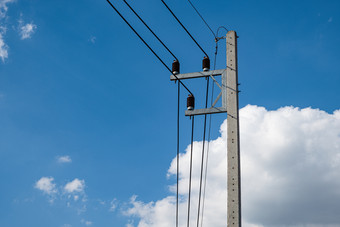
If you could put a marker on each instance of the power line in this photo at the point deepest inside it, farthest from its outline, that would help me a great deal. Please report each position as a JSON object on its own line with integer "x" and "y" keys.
{"x": 184, "y": 28}
{"x": 148, "y": 46}
{"x": 202, "y": 161}
{"x": 190, "y": 174}
{"x": 202, "y": 18}
{"x": 149, "y": 29}
{"x": 177, "y": 174}
{"x": 209, "y": 131}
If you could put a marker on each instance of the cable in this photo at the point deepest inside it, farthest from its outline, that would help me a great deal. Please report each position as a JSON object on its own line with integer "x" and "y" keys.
{"x": 148, "y": 46}
{"x": 177, "y": 174}
{"x": 184, "y": 28}
{"x": 209, "y": 133}
{"x": 149, "y": 29}
{"x": 202, "y": 161}
{"x": 220, "y": 28}
{"x": 190, "y": 174}
{"x": 202, "y": 18}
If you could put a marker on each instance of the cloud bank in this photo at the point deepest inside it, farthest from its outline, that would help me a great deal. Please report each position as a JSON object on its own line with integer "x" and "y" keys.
{"x": 290, "y": 163}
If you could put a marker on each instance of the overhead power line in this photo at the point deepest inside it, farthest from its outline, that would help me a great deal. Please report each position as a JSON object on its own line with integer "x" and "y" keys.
{"x": 177, "y": 156}
{"x": 149, "y": 29}
{"x": 148, "y": 46}
{"x": 210, "y": 117}
{"x": 184, "y": 28}
{"x": 202, "y": 18}
{"x": 190, "y": 174}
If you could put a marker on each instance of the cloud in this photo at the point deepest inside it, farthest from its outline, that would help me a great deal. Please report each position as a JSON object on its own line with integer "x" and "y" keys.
{"x": 64, "y": 159}
{"x": 3, "y": 48}
{"x": 75, "y": 186}
{"x": 290, "y": 164}
{"x": 4, "y": 7}
{"x": 87, "y": 223}
{"x": 46, "y": 185}
{"x": 93, "y": 39}
{"x": 330, "y": 19}
{"x": 113, "y": 205}
{"x": 26, "y": 31}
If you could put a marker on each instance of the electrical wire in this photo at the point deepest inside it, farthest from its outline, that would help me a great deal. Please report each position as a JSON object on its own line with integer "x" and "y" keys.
{"x": 202, "y": 18}
{"x": 190, "y": 172}
{"x": 149, "y": 29}
{"x": 184, "y": 27}
{"x": 177, "y": 173}
{"x": 220, "y": 28}
{"x": 148, "y": 46}
{"x": 209, "y": 133}
{"x": 202, "y": 161}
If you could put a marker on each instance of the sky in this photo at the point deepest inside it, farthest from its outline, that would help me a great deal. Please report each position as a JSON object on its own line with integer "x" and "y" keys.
{"x": 88, "y": 113}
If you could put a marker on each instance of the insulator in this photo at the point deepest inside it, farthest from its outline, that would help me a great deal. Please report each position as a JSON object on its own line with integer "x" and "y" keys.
{"x": 191, "y": 102}
{"x": 175, "y": 67}
{"x": 206, "y": 64}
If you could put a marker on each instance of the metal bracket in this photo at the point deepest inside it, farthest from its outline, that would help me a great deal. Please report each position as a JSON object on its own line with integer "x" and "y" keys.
{"x": 223, "y": 93}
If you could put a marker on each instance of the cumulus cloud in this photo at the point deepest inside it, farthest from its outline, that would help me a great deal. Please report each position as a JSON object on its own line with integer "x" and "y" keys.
{"x": 64, "y": 159}
{"x": 75, "y": 186}
{"x": 290, "y": 163}
{"x": 46, "y": 185}
{"x": 27, "y": 30}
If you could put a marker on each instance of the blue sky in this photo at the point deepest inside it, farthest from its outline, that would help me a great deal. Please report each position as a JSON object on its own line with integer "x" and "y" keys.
{"x": 84, "y": 103}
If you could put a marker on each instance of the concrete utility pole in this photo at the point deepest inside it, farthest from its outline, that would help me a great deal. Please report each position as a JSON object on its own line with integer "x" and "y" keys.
{"x": 229, "y": 94}
{"x": 233, "y": 147}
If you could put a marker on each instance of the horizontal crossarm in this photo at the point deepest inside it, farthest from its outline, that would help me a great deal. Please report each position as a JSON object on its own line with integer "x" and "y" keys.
{"x": 212, "y": 110}
{"x": 197, "y": 74}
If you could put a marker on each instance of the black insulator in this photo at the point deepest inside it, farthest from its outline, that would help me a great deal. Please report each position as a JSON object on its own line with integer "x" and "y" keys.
{"x": 191, "y": 102}
{"x": 175, "y": 67}
{"x": 206, "y": 64}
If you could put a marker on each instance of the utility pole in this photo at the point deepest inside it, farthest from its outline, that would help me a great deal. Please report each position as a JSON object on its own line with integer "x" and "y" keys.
{"x": 229, "y": 93}
{"x": 233, "y": 142}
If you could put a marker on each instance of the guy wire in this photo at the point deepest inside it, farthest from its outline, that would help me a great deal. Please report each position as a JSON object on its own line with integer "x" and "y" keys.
{"x": 148, "y": 46}
{"x": 184, "y": 28}
{"x": 149, "y": 29}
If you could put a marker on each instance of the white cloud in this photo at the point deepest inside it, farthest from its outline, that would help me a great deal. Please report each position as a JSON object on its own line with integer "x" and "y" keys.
{"x": 3, "y": 49}
{"x": 64, "y": 159}
{"x": 3, "y": 45}
{"x": 290, "y": 163}
{"x": 4, "y": 7}
{"x": 46, "y": 185}
{"x": 87, "y": 223}
{"x": 330, "y": 19}
{"x": 27, "y": 30}
{"x": 113, "y": 205}
{"x": 75, "y": 186}
{"x": 93, "y": 39}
